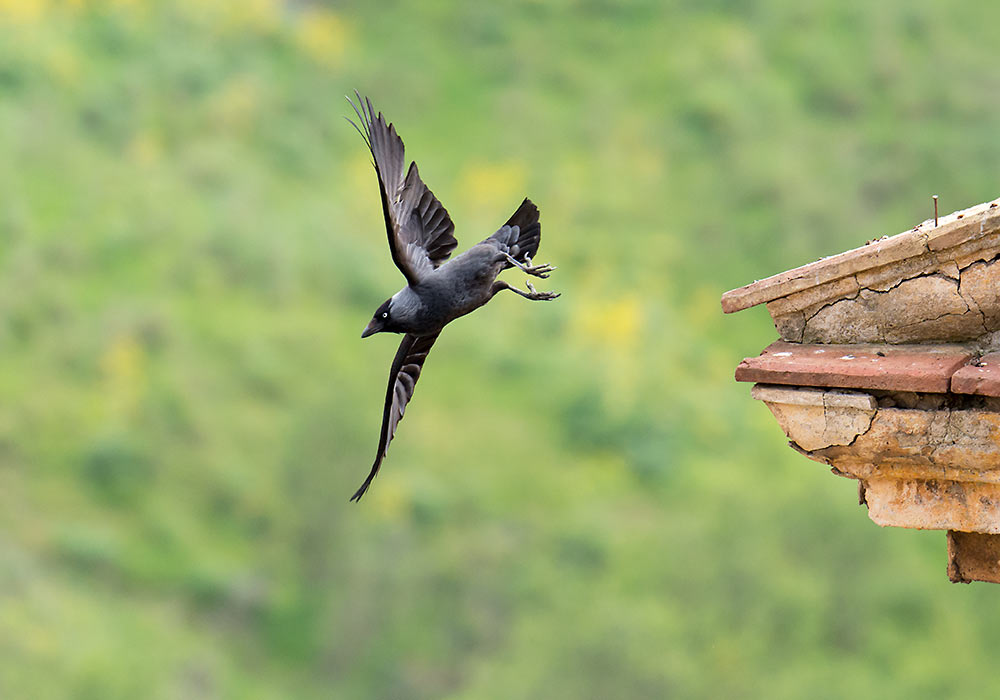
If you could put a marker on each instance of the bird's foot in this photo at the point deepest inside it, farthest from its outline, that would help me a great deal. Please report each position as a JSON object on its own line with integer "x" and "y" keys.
{"x": 542, "y": 270}
{"x": 531, "y": 294}
{"x": 534, "y": 295}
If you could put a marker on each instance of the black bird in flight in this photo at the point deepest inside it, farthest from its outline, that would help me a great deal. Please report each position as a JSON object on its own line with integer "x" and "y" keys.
{"x": 437, "y": 292}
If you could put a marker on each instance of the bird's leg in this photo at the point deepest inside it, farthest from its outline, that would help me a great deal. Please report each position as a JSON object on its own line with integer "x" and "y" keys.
{"x": 530, "y": 294}
{"x": 526, "y": 266}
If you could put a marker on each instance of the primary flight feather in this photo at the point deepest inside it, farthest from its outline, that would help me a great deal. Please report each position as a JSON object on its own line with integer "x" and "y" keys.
{"x": 421, "y": 239}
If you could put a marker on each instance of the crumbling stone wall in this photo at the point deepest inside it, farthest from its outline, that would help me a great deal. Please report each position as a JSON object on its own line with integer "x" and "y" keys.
{"x": 951, "y": 295}
{"x": 934, "y": 283}
{"x": 888, "y": 371}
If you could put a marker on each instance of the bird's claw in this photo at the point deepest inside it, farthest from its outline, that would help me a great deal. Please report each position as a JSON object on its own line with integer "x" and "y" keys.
{"x": 539, "y": 296}
{"x": 542, "y": 270}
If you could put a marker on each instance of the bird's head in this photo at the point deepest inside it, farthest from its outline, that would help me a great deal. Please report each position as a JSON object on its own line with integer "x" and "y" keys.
{"x": 382, "y": 321}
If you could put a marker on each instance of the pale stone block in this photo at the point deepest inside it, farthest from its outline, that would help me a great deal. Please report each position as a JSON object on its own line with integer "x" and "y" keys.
{"x": 899, "y": 247}
{"x": 934, "y": 504}
{"x": 918, "y": 310}
{"x": 789, "y": 326}
{"x": 961, "y": 237}
{"x": 980, "y": 286}
{"x": 814, "y": 419}
{"x": 960, "y": 445}
{"x": 838, "y": 289}
{"x": 879, "y": 279}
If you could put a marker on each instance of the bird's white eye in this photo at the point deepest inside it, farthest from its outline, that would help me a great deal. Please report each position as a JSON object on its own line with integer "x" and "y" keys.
{"x": 385, "y": 314}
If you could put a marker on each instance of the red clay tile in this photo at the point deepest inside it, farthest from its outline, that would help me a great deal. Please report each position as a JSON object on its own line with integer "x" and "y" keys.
{"x": 982, "y": 378}
{"x": 889, "y": 367}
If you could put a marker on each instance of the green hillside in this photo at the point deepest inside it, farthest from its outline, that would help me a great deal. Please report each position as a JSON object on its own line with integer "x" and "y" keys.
{"x": 581, "y": 502}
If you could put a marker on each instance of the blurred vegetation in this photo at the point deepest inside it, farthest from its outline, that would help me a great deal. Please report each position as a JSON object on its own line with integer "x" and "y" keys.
{"x": 581, "y": 502}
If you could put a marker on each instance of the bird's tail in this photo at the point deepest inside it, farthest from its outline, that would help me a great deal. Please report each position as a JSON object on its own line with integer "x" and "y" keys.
{"x": 520, "y": 242}
{"x": 364, "y": 487}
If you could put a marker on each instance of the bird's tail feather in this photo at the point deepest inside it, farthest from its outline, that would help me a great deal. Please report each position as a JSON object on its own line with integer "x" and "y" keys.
{"x": 364, "y": 487}
{"x": 520, "y": 242}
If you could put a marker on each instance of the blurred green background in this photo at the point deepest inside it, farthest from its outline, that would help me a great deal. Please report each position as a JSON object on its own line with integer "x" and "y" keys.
{"x": 581, "y": 502}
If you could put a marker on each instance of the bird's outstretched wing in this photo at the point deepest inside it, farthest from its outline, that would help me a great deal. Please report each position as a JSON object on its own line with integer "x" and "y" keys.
{"x": 421, "y": 234}
{"x": 403, "y": 378}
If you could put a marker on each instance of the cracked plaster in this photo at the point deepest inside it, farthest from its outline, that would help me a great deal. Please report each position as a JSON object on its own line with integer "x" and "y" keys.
{"x": 958, "y": 304}
{"x": 925, "y": 469}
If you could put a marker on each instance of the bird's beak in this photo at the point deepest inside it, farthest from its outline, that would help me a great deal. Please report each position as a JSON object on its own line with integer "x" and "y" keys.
{"x": 372, "y": 328}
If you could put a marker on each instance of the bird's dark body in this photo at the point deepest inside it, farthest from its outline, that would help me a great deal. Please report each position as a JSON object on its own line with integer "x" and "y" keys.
{"x": 453, "y": 290}
{"x": 438, "y": 291}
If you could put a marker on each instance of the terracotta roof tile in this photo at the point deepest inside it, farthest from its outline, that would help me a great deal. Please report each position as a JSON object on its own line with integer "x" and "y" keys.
{"x": 889, "y": 367}
{"x": 981, "y": 378}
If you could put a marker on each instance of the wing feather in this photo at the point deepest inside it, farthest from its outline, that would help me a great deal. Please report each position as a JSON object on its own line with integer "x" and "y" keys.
{"x": 403, "y": 376}
{"x": 420, "y": 231}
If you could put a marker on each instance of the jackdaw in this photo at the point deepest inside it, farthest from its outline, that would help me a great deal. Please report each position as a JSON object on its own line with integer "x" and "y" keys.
{"x": 420, "y": 240}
